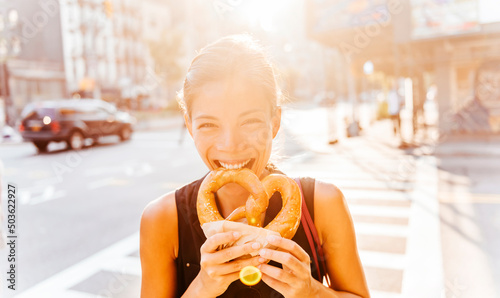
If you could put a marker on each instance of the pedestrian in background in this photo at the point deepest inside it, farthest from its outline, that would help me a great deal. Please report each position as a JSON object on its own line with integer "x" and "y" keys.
{"x": 394, "y": 109}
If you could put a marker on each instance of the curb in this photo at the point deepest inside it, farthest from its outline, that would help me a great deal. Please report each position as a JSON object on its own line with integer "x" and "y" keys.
{"x": 158, "y": 124}
{"x": 146, "y": 125}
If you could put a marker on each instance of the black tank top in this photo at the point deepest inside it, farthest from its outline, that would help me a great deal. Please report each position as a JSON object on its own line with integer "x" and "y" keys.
{"x": 191, "y": 238}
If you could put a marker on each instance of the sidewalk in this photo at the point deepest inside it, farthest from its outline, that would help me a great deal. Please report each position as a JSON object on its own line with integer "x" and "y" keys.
{"x": 426, "y": 142}
{"x": 392, "y": 197}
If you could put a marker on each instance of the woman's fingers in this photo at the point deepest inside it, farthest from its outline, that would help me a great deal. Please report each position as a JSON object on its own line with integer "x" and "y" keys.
{"x": 236, "y": 265}
{"x": 234, "y": 252}
{"x": 276, "y": 278}
{"x": 286, "y": 259}
{"x": 290, "y": 246}
{"x": 213, "y": 258}
{"x": 218, "y": 239}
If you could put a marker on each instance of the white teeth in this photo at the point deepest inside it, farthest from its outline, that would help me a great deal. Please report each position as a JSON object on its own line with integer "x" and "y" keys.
{"x": 234, "y": 166}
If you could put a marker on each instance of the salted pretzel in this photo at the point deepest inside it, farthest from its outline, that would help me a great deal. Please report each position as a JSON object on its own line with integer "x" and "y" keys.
{"x": 286, "y": 221}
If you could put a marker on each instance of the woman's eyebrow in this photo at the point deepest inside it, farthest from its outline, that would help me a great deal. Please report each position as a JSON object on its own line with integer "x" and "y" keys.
{"x": 250, "y": 112}
{"x": 203, "y": 116}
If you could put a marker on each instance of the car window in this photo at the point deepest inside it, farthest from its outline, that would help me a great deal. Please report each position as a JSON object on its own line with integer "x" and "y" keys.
{"x": 103, "y": 112}
{"x": 46, "y": 112}
{"x": 109, "y": 108}
{"x": 29, "y": 109}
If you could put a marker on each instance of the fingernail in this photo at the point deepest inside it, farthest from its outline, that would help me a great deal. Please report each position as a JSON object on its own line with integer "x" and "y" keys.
{"x": 262, "y": 252}
{"x": 271, "y": 238}
{"x": 256, "y": 245}
{"x": 262, "y": 260}
{"x": 236, "y": 234}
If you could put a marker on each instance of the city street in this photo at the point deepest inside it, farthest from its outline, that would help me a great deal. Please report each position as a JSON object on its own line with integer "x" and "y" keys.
{"x": 420, "y": 219}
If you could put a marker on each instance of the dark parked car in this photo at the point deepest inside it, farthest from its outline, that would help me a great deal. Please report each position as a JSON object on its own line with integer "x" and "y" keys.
{"x": 73, "y": 121}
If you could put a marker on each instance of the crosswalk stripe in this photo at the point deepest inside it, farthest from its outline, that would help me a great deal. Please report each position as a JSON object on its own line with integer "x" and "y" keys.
{"x": 382, "y": 260}
{"x": 380, "y": 211}
{"x": 369, "y": 184}
{"x": 382, "y": 294}
{"x": 381, "y": 229}
{"x": 385, "y": 195}
{"x": 424, "y": 228}
{"x": 63, "y": 294}
{"x": 125, "y": 265}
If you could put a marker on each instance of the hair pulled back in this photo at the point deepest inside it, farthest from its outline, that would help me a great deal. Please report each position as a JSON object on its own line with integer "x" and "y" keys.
{"x": 235, "y": 56}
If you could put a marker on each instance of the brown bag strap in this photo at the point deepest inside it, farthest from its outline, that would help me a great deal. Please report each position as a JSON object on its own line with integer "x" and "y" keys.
{"x": 311, "y": 232}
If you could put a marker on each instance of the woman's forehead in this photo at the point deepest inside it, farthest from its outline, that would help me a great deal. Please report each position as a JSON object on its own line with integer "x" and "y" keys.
{"x": 232, "y": 96}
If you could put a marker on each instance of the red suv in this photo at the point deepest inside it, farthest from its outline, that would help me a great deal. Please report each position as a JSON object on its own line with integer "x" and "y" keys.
{"x": 73, "y": 121}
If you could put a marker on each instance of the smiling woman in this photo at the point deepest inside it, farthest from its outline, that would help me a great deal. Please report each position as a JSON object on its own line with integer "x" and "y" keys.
{"x": 231, "y": 105}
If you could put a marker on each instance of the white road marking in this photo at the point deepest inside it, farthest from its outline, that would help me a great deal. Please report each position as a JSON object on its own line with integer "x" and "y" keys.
{"x": 382, "y": 294}
{"x": 138, "y": 170}
{"x": 425, "y": 264}
{"x": 63, "y": 294}
{"x": 126, "y": 265}
{"x": 84, "y": 269}
{"x": 383, "y": 260}
{"x": 106, "y": 182}
{"x": 37, "y": 195}
{"x": 381, "y": 229}
{"x": 399, "y": 212}
{"x": 377, "y": 195}
{"x": 107, "y": 170}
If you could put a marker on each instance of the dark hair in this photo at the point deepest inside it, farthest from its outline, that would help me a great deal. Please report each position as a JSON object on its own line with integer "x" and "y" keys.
{"x": 233, "y": 56}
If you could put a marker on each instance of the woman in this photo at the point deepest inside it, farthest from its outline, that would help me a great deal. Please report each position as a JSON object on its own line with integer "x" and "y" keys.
{"x": 231, "y": 109}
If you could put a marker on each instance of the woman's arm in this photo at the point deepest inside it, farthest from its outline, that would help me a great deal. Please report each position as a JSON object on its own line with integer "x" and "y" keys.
{"x": 336, "y": 232}
{"x": 159, "y": 247}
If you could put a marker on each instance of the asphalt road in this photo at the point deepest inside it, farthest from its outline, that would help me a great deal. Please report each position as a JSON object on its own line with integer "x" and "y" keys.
{"x": 73, "y": 204}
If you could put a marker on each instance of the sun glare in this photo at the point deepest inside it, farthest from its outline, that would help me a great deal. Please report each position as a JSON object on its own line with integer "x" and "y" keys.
{"x": 263, "y": 13}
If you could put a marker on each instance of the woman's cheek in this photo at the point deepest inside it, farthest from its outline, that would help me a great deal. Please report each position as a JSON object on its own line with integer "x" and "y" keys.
{"x": 261, "y": 137}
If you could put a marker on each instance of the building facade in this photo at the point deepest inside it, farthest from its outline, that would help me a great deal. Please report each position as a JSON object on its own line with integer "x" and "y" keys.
{"x": 93, "y": 48}
{"x": 36, "y": 70}
{"x": 447, "y": 44}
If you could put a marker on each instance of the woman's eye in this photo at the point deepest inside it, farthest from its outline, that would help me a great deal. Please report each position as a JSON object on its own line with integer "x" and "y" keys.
{"x": 206, "y": 125}
{"x": 252, "y": 121}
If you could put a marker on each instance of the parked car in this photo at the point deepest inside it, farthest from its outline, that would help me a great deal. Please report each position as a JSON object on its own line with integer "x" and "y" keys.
{"x": 73, "y": 121}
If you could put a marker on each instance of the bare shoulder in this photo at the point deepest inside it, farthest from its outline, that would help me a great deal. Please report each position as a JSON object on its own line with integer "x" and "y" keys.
{"x": 159, "y": 246}
{"x": 327, "y": 193}
{"x": 336, "y": 231}
{"x": 332, "y": 215}
{"x": 159, "y": 224}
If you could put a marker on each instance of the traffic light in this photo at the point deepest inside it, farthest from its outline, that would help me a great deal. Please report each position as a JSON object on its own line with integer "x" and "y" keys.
{"x": 108, "y": 8}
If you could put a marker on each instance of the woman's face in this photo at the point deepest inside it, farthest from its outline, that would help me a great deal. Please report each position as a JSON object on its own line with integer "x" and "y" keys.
{"x": 233, "y": 125}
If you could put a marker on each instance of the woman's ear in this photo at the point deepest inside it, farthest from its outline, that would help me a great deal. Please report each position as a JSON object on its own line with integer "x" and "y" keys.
{"x": 276, "y": 121}
{"x": 188, "y": 123}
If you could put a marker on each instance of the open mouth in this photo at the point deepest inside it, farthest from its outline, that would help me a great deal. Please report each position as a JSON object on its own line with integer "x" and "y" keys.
{"x": 235, "y": 166}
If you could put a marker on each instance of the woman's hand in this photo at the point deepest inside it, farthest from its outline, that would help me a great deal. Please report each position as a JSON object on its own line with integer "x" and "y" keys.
{"x": 295, "y": 279}
{"x": 218, "y": 267}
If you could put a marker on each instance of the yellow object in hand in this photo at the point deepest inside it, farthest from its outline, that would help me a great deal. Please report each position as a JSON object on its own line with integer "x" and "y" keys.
{"x": 250, "y": 275}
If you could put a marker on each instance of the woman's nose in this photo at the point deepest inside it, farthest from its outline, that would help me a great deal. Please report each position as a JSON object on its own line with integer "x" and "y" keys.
{"x": 230, "y": 141}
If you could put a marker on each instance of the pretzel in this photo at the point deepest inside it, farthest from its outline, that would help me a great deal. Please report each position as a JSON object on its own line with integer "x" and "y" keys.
{"x": 286, "y": 221}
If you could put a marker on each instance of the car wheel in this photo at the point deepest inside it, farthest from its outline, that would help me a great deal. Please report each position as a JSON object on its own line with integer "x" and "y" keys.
{"x": 95, "y": 141}
{"x": 76, "y": 140}
{"x": 41, "y": 146}
{"x": 125, "y": 133}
